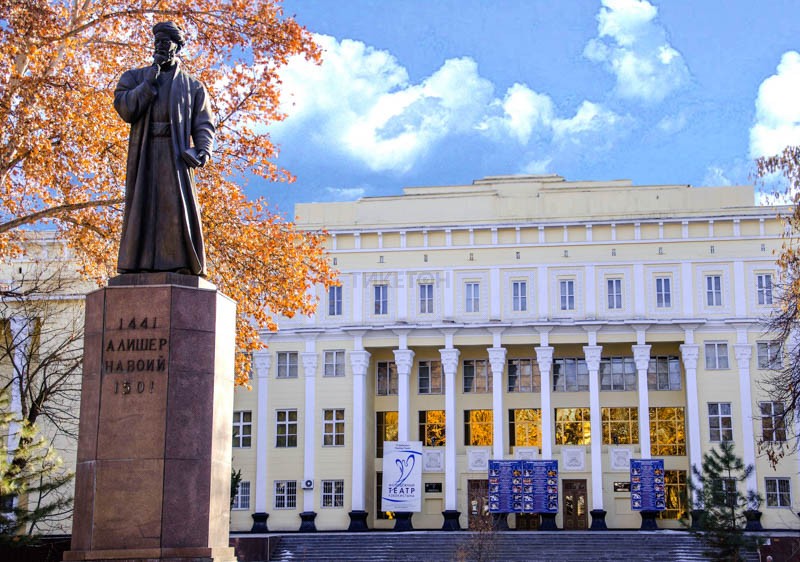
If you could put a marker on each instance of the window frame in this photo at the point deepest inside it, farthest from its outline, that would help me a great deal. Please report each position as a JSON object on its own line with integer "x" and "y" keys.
{"x": 335, "y": 300}
{"x": 764, "y": 287}
{"x": 429, "y": 366}
{"x": 775, "y": 431}
{"x": 245, "y": 429}
{"x": 663, "y": 292}
{"x": 627, "y": 375}
{"x": 288, "y": 424}
{"x": 288, "y": 495}
{"x": 529, "y": 426}
{"x": 425, "y": 300}
{"x": 610, "y": 424}
{"x": 333, "y": 429}
{"x": 567, "y": 293}
{"x": 334, "y": 367}
{"x": 581, "y": 374}
{"x": 777, "y": 494}
{"x": 656, "y": 376}
{"x": 333, "y": 498}
{"x": 713, "y": 361}
{"x": 516, "y": 375}
{"x": 472, "y": 297}
{"x": 658, "y": 448}
{"x": 476, "y": 377}
{"x": 519, "y": 295}
{"x": 287, "y": 365}
{"x": 470, "y": 425}
{"x": 380, "y": 294}
{"x": 382, "y": 427}
{"x": 241, "y": 501}
{"x": 714, "y": 290}
{"x": 425, "y": 427}
{"x": 582, "y": 422}
{"x": 614, "y": 293}
{"x": 390, "y": 385}
{"x": 769, "y": 355}
{"x": 716, "y": 416}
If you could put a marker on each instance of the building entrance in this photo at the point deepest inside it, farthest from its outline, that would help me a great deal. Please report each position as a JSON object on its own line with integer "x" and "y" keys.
{"x": 478, "y": 504}
{"x": 574, "y": 505}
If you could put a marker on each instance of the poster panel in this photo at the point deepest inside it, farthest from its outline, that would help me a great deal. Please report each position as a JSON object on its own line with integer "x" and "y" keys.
{"x": 402, "y": 476}
{"x": 523, "y": 486}
{"x": 647, "y": 485}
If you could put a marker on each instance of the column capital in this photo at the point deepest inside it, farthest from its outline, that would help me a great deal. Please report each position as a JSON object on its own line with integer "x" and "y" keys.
{"x": 641, "y": 356}
{"x": 689, "y": 353}
{"x": 544, "y": 355}
{"x": 359, "y": 361}
{"x": 449, "y": 359}
{"x": 743, "y": 353}
{"x": 592, "y": 354}
{"x": 262, "y": 361}
{"x": 309, "y": 359}
{"x": 404, "y": 359}
{"x": 497, "y": 354}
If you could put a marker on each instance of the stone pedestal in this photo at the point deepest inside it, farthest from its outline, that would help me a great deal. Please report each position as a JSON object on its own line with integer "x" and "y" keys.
{"x": 451, "y": 520}
{"x": 500, "y": 521}
{"x": 402, "y": 521}
{"x": 598, "y": 520}
{"x": 649, "y": 522}
{"x": 154, "y": 448}
{"x": 307, "y": 524}
{"x": 358, "y": 521}
{"x": 260, "y": 523}
{"x": 753, "y": 517}
{"x": 548, "y": 522}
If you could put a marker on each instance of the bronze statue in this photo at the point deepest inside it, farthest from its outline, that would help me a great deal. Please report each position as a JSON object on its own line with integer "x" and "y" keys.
{"x": 166, "y": 108}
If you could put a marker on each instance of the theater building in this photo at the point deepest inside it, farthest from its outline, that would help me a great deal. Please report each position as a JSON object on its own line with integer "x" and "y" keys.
{"x": 523, "y": 317}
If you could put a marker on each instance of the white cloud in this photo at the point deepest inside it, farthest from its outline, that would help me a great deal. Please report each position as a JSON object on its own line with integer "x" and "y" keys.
{"x": 633, "y": 46}
{"x": 715, "y": 177}
{"x": 345, "y": 193}
{"x": 537, "y": 166}
{"x": 591, "y": 121}
{"x": 777, "y": 109}
{"x": 672, "y": 123}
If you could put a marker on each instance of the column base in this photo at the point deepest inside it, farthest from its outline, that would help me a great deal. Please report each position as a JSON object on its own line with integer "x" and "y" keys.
{"x": 500, "y": 521}
{"x": 547, "y": 522}
{"x": 259, "y": 523}
{"x": 307, "y": 522}
{"x": 753, "y": 517}
{"x": 648, "y": 520}
{"x": 358, "y": 521}
{"x": 698, "y": 518}
{"x": 402, "y": 521}
{"x": 188, "y": 554}
{"x": 598, "y": 520}
{"x": 451, "y": 520}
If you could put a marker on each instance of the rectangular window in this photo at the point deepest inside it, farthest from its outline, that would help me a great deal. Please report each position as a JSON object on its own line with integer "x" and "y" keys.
{"x": 663, "y": 292}
{"x": 676, "y": 491}
{"x": 473, "y": 297}
{"x": 242, "y": 429}
{"x": 667, "y": 431}
{"x": 477, "y": 376}
{"x": 523, "y": 375}
{"x": 429, "y": 377}
{"x": 779, "y": 492}
{"x": 335, "y": 301}
{"x": 620, "y": 426}
{"x": 287, "y": 364}
{"x": 773, "y": 421}
{"x": 570, "y": 375}
{"x": 242, "y": 498}
{"x": 725, "y": 491}
{"x": 764, "y": 288}
{"x": 333, "y": 427}
{"x": 285, "y": 494}
{"x": 426, "y": 298}
{"x": 769, "y": 355}
{"x": 716, "y": 355}
{"x": 286, "y": 428}
{"x": 573, "y": 426}
{"x": 618, "y": 373}
{"x": 720, "y": 421}
{"x": 713, "y": 290}
{"x": 334, "y": 363}
{"x": 385, "y": 430}
{"x": 386, "y": 378}
{"x": 381, "y": 293}
{"x": 567, "y": 292}
{"x": 614, "y": 293}
{"x": 478, "y": 427}
{"x": 664, "y": 373}
{"x": 432, "y": 428}
{"x": 525, "y": 427}
{"x": 519, "y": 296}
{"x": 332, "y": 493}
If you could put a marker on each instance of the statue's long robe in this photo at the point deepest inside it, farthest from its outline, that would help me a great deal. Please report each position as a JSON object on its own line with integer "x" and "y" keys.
{"x": 157, "y": 236}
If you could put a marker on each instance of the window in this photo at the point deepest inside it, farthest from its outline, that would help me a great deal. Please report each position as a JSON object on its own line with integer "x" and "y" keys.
{"x": 614, "y": 293}
{"x": 334, "y": 364}
{"x": 519, "y": 296}
{"x": 523, "y": 375}
{"x": 478, "y": 427}
{"x": 676, "y": 492}
{"x": 667, "y": 431}
{"x": 477, "y": 376}
{"x": 773, "y": 422}
{"x": 570, "y": 375}
{"x": 573, "y": 426}
{"x": 764, "y": 288}
{"x": 664, "y": 373}
{"x": 285, "y": 494}
{"x": 426, "y": 298}
{"x": 386, "y": 430}
{"x": 242, "y": 498}
{"x": 432, "y": 428}
{"x": 525, "y": 427}
{"x": 663, "y": 292}
{"x": 769, "y": 355}
{"x": 713, "y": 290}
{"x": 242, "y": 429}
{"x": 617, "y": 373}
{"x": 333, "y": 427}
{"x": 567, "y": 292}
{"x": 287, "y": 364}
{"x": 778, "y": 492}
{"x": 720, "y": 421}
{"x": 716, "y": 355}
{"x": 378, "y": 495}
{"x": 286, "y": 429}
{"x": 429, "y": 377}
{"x": 473, "y": 294}
{"x": 620, "y": 426}
{"x": 381, "y": 293}
{"x": 386, "y": 378}
{"x": 332, "y": 493}
{"x": 724, "y": 490}
{"x": 335, "y": 301}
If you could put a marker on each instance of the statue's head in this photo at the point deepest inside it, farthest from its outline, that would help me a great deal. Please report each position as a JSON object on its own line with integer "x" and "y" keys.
{"x": 168, "y": 39}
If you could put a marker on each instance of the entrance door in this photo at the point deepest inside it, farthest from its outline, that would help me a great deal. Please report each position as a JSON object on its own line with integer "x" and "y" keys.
{"x": 574, "y": 505}
{"x": 478, "y": 504}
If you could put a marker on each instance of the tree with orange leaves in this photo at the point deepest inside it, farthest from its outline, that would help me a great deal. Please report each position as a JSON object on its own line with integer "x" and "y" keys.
{"x": 63, "y": 148}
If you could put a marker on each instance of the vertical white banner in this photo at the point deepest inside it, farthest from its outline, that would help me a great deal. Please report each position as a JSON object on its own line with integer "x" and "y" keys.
{"x": 402, "y": 476}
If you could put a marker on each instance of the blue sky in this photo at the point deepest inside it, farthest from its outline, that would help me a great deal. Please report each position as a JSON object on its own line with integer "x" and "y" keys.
{"x": 442, "y": 92}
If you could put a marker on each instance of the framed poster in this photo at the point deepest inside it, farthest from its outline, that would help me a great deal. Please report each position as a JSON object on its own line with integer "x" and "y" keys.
{"x": 523, "y": 486}
{"x": 402, "y": 476}
{"x": 647, "y": 485}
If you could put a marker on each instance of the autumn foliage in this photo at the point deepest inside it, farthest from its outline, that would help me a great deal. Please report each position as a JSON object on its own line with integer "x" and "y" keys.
{"x": 63, "y": 148}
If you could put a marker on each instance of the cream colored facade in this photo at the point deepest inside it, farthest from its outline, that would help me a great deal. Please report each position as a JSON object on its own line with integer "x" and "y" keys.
{"x": 533, "y": 268}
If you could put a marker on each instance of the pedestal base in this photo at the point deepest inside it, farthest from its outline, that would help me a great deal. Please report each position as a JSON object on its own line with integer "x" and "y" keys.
{"x": 500, "y": 521}
{"x": 260, "y": 523}
{"x": 753, "y": 517}
{"x": 548, "y": 522}
{"x": 451, "y": 520}
{"x": 649, "y": 520}
{"x": 402, "y": 521}
{"x": 598, "y": 520}
{"x": 698, "y": 518}
{"x": 307, "y": 522}
{"x": 224, "y": 554}
{"x": 358, "y": 521}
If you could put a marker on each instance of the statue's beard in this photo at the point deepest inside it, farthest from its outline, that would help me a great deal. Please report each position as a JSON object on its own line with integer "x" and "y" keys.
{"x": 163, "y": 58}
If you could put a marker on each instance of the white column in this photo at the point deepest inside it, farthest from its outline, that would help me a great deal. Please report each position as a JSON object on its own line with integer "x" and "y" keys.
{"x": 744, "y": 353}
{"x": 449, "y": 366}
{"x": 592, "y": 354}
{"x": 544, "y": 356}
{"x": 497, "y": 362}
{"x": 404, "y": 359}
{"x": 309, "y": 360}
{"x": 262, "y": 361}
{"x": 359, "y": 361}
{"x": 641, "y": 356}
{"x": 689, "y": 354}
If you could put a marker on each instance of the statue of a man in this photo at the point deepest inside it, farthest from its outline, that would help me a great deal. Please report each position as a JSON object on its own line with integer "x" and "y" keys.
{"x": 172, "y": 132}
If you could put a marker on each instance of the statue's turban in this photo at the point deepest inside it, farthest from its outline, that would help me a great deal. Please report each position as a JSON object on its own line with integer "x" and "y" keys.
{"x": 175, "y": 33}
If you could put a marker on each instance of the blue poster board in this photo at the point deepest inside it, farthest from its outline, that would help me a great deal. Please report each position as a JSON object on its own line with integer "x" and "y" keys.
{"x": 523, "y": 486}
{"x": 647, "y": 485}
